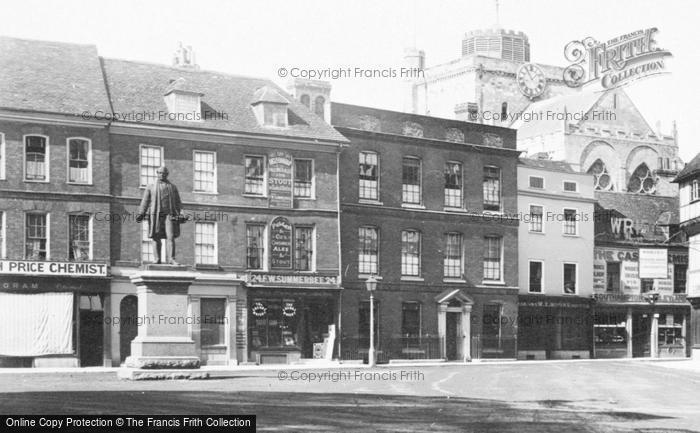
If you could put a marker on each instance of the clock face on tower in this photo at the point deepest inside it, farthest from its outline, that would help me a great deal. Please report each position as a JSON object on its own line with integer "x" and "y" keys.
{"x": 531, "y": 80}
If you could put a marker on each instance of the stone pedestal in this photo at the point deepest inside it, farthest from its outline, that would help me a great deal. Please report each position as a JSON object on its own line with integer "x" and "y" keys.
{"x": 164, "y": 339}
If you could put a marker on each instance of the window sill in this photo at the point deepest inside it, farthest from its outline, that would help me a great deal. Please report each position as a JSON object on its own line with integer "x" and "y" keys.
{"x": 570, "y": 235}
{"x": 372, "y": 202}
{"x": 207, "y": 267}
{"x": 454, "y": 280}
{"x": 36, "y": 181}
{"x": 493, "y": 283}
{"x": 312, "y": 198}
{"x": 205, "y": 192}
{"x": 249, "y": 195}
{"x": 541, "y": 292}
{"x": 569, "y": 294}
{"x": 536, "y": 233}
{"x": 366, "y": 276}
{"x": 80, "y": 183}
{"x": 412, "y": 206}
{"x": 455, "y": 209}
{"x": 492, "y": 212}
{"x": 418, "y": 279}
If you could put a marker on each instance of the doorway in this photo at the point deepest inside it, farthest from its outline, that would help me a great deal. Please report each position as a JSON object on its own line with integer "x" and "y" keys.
{"x": 128, "y": 329}
{"x": 91, "y": 337}
{"x": 641, "y": 332}
{"x": 453, "y": 335}
{"x": 318, "y": 316}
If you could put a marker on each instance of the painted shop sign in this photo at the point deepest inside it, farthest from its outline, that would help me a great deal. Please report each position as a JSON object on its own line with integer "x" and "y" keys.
{"x": 72, "y": 269}
{"x": 280, "y": 244}
{"x": 292, "y": 279}
{"x": 279, "y": 182}
{"x": 653, "y": 263}
{"x": 616, "y": 298}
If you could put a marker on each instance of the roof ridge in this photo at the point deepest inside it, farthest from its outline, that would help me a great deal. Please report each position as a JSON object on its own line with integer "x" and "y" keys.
{"x": 175, "y": 68}
{"x": 48, "y": 41}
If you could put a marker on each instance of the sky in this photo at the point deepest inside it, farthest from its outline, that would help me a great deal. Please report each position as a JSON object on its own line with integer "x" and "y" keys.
{"x": 257, "y": 38}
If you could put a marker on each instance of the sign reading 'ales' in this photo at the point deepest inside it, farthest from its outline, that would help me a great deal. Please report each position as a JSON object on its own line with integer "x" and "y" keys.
{"x": 280, "y": 180}
{"x": 280, "y": 244}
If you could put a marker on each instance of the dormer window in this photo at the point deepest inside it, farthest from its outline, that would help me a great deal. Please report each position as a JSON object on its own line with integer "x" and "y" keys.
{"x": 270, "y": 108}
{"x": 184, "y": 102}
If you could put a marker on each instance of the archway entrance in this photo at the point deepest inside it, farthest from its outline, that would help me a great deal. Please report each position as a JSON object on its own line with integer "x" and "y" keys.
{"x": 128, "y": 329}
{"x": 454, "y": 320}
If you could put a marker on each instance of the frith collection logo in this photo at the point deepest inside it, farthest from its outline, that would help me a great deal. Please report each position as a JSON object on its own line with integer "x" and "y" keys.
{"x": 614, "y": 63}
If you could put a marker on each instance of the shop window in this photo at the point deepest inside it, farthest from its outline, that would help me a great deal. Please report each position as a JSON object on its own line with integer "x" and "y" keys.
{"x": 453, "y": 255}
{"x": 368, "y": 248}
{"x": 411, "y": 180}
{"x": 37, "y": 235}
{"x": 453, "y": 184}
{"x": 410, "y": 324}
{"x": 612, "y": 277}
{"x": 255, "y": 246}
{"x": 492, "y": 189}
{"x": 570, "y": 222}
{"x": 204, "y": 171}
{"x": 680, "y": 276}
{"x": 303, "y": 248}
{"x": 274, "y": 323}
{"x": 79, "y": 160}
{"x": 213, "y": 321}
{"x": 570, "y": 278}
{"x": 602, "y": 180}
{"x": 79, "y": 234}
{"x": 642, "y": 181}
{"x": 410, "y": 253}
{"x": 493, "y": 254}
{"x": 671, "y": 330}
{"x": 151, "y": 159}
{"x": 254, "y": 175}
{"x": 536, "y": 182}
{"x": 610, "y": 330}
{"x": 536, "y": 277}
{"x": 369, "y": 176}
{"x": 303, "y": 178}
{"x": 36, "y": 150}
{"x": 363, "y": 323}
{"x": 536, "y": 218}
{"x": 205, "y": 244}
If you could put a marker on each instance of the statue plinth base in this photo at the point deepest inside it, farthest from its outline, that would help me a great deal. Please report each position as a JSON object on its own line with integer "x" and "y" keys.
{"x": 163, "y": 340}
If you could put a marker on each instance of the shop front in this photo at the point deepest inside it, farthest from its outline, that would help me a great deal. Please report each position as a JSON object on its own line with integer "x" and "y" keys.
{"x": 52, "y": 314}
{"x": 291, "y": 317}
{"x": 636, "y": 326}
{"x": 553, "y": 327}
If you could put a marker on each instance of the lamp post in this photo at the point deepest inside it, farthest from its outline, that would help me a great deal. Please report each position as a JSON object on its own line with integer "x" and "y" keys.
{"x": 652, "y": 297}
{"x": 371, "y": 285}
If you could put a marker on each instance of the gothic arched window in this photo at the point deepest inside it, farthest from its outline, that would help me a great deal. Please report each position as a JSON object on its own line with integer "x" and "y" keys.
{"x": 319, "y": 104}
{"x": 642, "y": 181}
{"x": 602, "y": 179}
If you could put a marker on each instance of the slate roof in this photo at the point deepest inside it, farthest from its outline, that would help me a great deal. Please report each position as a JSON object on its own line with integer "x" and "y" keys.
{"x": 691, "y": 169}
{"x": 648, "y": 208}
{"x": 51, "y": 77}
{"x": 139, "y": 87}
{"x": 547, "y": 164}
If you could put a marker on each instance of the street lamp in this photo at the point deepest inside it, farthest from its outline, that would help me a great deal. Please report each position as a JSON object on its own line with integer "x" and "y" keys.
{"x": 371, "y": 285}
{"x": 652, "y": 298}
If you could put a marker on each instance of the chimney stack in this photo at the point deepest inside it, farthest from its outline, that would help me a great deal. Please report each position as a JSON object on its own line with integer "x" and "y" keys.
{"x": 184, "y": 57}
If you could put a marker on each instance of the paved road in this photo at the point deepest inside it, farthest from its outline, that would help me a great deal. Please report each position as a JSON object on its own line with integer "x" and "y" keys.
{"x": 549, "y": 397}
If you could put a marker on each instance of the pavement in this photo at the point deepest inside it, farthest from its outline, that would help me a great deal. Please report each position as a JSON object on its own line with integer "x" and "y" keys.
{"x": 612, "y": 396}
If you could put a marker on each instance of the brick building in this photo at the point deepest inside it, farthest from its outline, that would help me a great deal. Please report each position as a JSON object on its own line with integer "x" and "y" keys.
{"x": 428, "y": 207}
{"x": 54, "y": 288}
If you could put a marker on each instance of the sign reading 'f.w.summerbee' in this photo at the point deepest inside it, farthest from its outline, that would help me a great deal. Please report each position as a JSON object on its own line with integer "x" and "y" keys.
{"x": 70, "y": 269}
{"x": 616, "y": 62}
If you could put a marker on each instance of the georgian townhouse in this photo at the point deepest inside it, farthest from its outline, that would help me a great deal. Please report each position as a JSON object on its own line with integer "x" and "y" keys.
{"x": 257, "y": 174}
{"x": 428, "y": 208}
{"x": 54, "y": 195}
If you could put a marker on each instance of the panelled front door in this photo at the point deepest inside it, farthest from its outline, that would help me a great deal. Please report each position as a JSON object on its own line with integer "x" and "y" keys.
{"x": 453, "y": 335}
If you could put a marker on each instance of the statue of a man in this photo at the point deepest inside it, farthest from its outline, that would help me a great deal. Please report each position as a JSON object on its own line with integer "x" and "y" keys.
{"x": 161, "y": 202}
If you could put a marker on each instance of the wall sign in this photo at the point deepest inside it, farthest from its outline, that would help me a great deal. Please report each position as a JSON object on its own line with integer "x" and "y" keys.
{"x": 71, "y": 269}
{"x": 280, "y": 244}
{"x": 653, "y": 263}
{"x": 310, "y": 280}
{"x": 279, "y": 182}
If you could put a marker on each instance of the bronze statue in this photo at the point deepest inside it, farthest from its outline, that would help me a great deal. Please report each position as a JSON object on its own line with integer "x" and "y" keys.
{"x": 161, "y": 202}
